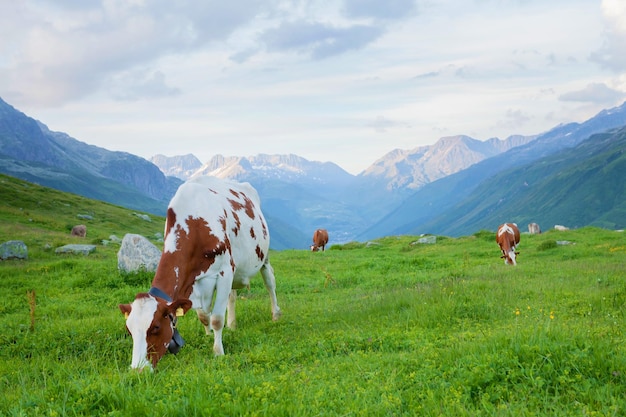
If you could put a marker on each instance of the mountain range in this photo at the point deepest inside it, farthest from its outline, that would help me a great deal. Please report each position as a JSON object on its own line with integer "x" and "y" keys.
{"x": 456, "y": 186}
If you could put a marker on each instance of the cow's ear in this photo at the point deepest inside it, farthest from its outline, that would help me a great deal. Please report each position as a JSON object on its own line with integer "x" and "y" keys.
{"x": 180, "y": 306}
{"x": 125, "y": 309}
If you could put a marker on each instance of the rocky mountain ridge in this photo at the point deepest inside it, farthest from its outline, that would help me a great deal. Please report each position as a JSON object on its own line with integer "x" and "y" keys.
{"x": 408, "y": 169}
{"x": 406, "y": 191}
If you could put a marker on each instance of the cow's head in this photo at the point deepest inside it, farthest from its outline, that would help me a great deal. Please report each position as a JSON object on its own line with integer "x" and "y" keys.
{"x": 509, "y": 256}
{"x": 151, "y": 322}
{"x": 315, "y": 248}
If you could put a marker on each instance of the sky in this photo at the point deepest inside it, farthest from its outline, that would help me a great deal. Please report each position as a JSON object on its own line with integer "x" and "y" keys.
{"x": 344, "y": 81}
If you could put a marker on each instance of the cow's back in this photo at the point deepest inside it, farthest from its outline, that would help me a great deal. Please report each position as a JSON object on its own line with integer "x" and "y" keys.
{"x": 233, "y": 212}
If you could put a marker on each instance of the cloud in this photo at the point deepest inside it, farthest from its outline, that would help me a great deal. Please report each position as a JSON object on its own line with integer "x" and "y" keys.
{"x": 612, "y": 55}
{"x": 67, "y": 50}
{"x": 514, "y": 119}
{"x": 243, "y": 56}
{"x": 140, "y": 84}
{"x": 388, "y": 9}
{"x": 317, "y": 39}
{"x": 596, "y": 93}
{"x": 381, "y": 124}
{"x": 431, "y": 74}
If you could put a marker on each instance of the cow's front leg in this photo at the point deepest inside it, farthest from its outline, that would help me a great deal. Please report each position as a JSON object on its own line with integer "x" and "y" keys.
{"x": 222, "y": 293}
{"x": 231, "y": 316}
{"x": 202, "y": 297}
{"x": 204, "y": 318}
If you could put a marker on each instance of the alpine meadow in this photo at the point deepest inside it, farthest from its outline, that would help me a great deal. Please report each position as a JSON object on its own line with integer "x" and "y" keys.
{"x": 387, "y": 327}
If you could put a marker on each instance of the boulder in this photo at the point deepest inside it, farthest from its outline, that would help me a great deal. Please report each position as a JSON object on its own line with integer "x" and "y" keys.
{"x": 78, "y": 249}
{"x": 143, "y": 217}
{"x": 79, "y": 230}
{"x": 137, "y": 254}
{"x": 427, "y": 240}
{"x": 13, "y": 249}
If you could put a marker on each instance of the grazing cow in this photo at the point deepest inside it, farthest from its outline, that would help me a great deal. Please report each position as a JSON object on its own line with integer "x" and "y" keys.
{"x": 216, "y": 239}
{"x": 533, "y": 229}
{"x": 560, "y": 228}
{"x": 79, "y": 230}
{"x": 508, "y": 238}
{"x": 320, "y": 239}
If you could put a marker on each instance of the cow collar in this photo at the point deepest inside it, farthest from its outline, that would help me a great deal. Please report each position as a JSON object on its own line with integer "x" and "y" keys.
{"x": 177, "y": 340}
{"x": 154, "y": 291}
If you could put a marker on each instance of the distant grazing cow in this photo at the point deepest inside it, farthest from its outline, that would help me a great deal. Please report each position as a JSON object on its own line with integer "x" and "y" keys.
{"x": 508, "y": 238}
{"x": 533, "y": 229}
{"x": 79, "y": 230}
{"x": 216, "y": 239}
{"x": 320, "y": 239}
{"x": 560, "y": 228}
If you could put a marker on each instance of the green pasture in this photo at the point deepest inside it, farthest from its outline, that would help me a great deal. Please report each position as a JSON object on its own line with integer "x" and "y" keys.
{"x": 381, "y": 328}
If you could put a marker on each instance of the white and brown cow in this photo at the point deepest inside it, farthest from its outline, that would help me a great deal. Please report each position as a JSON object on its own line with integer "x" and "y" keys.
{"x": 216, "y": 239}
{"x": 508, "y": 238}
{"x": 320, "y": 239}
{"x": 534, "y": 229}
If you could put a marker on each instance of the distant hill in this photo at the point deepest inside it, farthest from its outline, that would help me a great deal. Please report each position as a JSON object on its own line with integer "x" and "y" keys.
{"x": 415, "y": 191}
{"x": 418, "y": 213}
{"x": 581, "y": 186}
{"x": 29, "y": 150}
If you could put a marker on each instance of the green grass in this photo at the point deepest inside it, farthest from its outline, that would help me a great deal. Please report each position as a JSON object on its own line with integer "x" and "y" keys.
{"x": 386, "y": 329}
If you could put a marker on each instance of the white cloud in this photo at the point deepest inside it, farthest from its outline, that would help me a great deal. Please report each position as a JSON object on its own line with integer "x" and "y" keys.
{"x": 317, "y": 39}
{"x": 312, "y": 77}
{"x": 77, "y": 50}
{"x": 389, "y": 9}
{"x": 597, "y": 93}
{"x": 140, "y": 84}
{"x": 382, "y": 124}
{"x": 612, "y": 54}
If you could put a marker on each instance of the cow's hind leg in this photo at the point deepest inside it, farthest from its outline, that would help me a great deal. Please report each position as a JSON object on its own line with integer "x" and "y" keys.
{"x": 267, "y": 272}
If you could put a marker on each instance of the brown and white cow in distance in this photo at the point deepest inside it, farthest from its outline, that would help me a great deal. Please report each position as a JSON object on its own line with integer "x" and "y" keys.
{"x": 508, "y": 239}
{"x": 534, "y": 229}
{"x": 320, "y": 239}
{"x": 216, "y": 239}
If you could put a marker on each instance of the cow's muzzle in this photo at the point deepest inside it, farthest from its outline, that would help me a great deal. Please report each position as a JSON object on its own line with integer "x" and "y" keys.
{"x": 176, "y": 343}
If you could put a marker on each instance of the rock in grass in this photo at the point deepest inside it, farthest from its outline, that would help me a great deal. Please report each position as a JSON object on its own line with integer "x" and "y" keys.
{"x": 78, "y": 249}
{"x": 13, "y": 249}
{"x": 136, "y": 254}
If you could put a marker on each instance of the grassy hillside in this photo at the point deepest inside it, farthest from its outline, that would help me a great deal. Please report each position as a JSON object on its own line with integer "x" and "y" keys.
{"x": 41, "y": 215}
{"x": 390, "y": 327}
{"x": 582, "y": 186}
{"x": 82, "y": 182}
{"x": 463, "y": 202}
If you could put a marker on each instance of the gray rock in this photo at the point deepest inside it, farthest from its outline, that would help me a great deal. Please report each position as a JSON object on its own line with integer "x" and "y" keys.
{"x": 137, "y": 254}
{"x": 115, "y": 239}
{"x": 143, "y": 217}
{"x": 78, "y": 249}
{"x": 13, "y": 249}
{"x": 425, "y": 240}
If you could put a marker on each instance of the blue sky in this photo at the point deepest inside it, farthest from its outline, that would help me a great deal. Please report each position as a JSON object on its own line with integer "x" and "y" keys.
{"x": 344, "y": 81}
